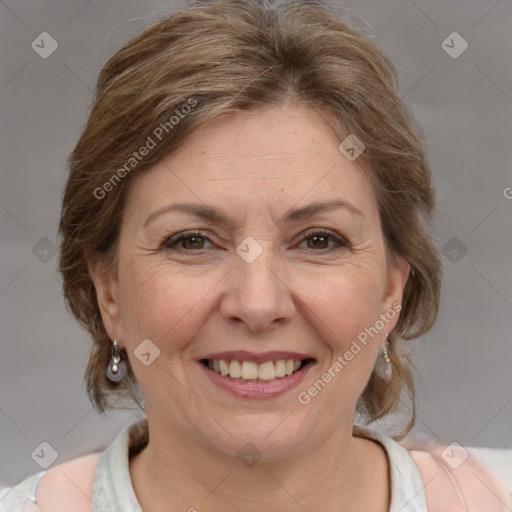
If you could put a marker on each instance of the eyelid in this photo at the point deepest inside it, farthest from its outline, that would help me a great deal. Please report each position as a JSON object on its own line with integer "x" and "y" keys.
{"x": 170, "y": 239}
{"x": 340, "y": 241}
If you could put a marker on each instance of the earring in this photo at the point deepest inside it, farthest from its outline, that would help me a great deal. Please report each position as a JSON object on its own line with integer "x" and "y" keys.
{"x": 116, "y": 369}
{"x": 386, "y": 372}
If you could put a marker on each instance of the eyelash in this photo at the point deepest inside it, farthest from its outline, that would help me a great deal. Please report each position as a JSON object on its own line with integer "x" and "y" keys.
{"x": 170, "y": 242}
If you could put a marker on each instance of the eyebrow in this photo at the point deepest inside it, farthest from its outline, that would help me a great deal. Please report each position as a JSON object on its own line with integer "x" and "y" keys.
{"x": 208, "y": 213}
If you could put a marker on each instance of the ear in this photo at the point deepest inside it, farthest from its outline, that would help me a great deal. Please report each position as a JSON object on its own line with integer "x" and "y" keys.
{"x": 397, "y": 276}
{"x": 107, "y": 295}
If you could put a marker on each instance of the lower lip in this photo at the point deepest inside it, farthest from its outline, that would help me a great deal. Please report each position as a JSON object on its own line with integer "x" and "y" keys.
{"x": 257, "y": 389}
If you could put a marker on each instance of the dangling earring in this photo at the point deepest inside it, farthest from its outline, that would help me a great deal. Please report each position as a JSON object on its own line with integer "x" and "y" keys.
{"x": 116, "y": 369}
{"x": 385, "y": 369}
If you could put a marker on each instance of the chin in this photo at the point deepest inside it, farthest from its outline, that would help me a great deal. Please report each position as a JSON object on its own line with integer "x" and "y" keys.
{"x": 257, "y": 437}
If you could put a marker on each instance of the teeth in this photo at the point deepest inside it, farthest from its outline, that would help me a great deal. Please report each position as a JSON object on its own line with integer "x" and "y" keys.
{"x": 249, "y": 370}
{"x": 280, "y": 367}
{"x": 235, "y": 369}
{"x": 224, "y": 368}
{"x": 266, "y": 371}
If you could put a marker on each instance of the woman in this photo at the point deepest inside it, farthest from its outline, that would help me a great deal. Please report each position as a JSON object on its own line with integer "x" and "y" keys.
{"x": 244, "y": 237}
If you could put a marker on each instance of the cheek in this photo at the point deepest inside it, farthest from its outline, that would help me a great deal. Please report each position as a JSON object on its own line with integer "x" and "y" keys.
{"x": 170, "y": 306}
{"x": 345, "y": 301}
{"x": 343, "y": 314}
{"x": 161, "y": 303}
{"x": 342, "y": 318}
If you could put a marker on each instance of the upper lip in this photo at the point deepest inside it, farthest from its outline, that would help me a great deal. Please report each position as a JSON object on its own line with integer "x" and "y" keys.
{"x": 257, "y": 357}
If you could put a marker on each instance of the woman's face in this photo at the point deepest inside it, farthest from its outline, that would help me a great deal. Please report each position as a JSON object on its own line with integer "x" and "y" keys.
{"x": 258, "y": 284}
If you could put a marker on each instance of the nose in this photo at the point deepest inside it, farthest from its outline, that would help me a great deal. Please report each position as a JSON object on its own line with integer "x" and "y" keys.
{"x": 257, "y": 294}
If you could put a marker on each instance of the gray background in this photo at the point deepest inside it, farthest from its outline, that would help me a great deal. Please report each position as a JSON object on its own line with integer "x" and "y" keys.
{"x": 465, "y": 106}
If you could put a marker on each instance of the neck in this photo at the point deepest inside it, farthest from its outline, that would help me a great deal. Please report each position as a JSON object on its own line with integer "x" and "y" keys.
{"x": 344, "y": 473}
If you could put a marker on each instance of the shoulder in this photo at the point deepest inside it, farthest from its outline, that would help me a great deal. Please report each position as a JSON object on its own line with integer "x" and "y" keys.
{"x": 72, "y": 482}
{"x": 67, "y": 486}
{"x": 458, "y": 475}
{"x": 13, "y": 499}
{"x": 499, "y": 459}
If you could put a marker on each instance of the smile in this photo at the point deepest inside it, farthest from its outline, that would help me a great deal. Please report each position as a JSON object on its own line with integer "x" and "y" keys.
{"x": 253, "y": 372}
{"x": 256, "y": 375}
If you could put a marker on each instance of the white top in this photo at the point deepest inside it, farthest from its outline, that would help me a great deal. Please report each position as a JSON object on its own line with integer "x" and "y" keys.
{"x": 113, "y": 490}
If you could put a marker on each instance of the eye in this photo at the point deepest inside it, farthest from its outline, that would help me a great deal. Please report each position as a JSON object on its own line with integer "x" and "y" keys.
{"x": 320, "y": 240}
{"x": 195, "y": 240}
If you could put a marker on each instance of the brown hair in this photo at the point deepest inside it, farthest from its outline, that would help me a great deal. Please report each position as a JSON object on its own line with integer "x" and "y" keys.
{"x": 226, "y": 56}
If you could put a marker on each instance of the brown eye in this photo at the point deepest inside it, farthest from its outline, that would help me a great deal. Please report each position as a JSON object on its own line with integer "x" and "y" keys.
{"x": 189, "y": 241}
{"x": 320, "y": 240}
{"x": 194, "y": 242}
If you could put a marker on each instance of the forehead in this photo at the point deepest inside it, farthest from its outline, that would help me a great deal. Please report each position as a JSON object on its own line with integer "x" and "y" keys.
{"x": 268, "y": 155}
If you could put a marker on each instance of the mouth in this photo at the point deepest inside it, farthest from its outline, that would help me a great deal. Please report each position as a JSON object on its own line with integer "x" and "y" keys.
{"x": 251, "y": 375}
{"x": 247, "y": 370}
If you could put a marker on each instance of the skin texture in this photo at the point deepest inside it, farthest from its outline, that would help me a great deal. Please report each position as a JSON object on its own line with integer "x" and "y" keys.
{"x": 202, "y": 297}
